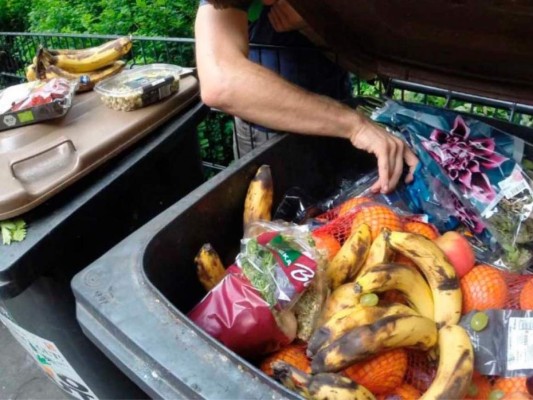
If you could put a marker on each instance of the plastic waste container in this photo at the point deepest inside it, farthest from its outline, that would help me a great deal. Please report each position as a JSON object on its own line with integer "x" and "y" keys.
{"x": 131, "y": 302}
{"x": 81, "y": 222}
{"x": 135, "y": 311}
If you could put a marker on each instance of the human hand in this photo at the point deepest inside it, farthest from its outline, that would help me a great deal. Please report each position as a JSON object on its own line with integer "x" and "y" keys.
{"x": 283, "y": 17}
{"x": 390, "y": 151}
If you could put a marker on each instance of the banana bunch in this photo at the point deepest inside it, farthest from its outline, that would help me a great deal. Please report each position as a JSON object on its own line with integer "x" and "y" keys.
{"x": 86, "y": 66}
{"x": 350, "y": 331}
{"x": 209, "y": 267}
{"x": 323, "y": 386}
{"x": 259, "y": 197}
{"x": 351, "y": 257}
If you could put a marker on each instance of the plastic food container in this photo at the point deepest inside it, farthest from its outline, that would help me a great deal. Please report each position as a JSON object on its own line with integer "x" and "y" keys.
{"x": 37, "y": 101}
{"x": 139, "y": 87}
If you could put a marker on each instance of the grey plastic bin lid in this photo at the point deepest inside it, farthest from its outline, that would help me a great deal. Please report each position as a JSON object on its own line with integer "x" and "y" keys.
{"x": 38, "y": 161}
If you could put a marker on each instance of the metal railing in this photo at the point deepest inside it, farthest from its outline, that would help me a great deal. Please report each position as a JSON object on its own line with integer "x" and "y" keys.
{"x": 216, "y": 134}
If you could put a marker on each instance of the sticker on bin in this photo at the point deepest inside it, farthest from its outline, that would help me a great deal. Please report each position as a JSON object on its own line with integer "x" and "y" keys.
{"x": 51, "y": 361}
{"x": 520, "y": 344}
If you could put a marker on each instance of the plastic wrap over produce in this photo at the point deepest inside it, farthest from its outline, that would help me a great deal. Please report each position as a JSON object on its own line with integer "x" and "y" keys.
{"x": 477, "y": 173}
{"x": 251, "y": 309}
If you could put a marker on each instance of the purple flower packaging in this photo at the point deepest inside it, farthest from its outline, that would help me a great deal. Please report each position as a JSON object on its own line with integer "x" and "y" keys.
{"x": 483, "y": 169}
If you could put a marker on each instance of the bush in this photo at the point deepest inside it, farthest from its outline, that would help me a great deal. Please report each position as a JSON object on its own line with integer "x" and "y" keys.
{"x": 173, "y": 18}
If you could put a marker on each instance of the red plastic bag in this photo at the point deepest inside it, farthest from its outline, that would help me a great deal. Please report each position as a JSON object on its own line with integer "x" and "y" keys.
{"x": 235, "y": 314}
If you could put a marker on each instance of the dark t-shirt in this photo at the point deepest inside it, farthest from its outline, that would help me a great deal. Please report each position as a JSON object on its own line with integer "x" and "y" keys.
{"x": 298, "y": 61}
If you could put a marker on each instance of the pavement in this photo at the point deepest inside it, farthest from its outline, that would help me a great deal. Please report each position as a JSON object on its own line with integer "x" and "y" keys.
{"x": 20, "y": 377}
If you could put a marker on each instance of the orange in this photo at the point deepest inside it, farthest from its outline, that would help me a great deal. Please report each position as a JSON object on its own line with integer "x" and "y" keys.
{"x": 517, "y": 396}
{"x": 403, "y": 392}
{"x": 327, "y": 244}
{"x": 377, "y": 216}
{"x": 381, "y": 374}
{"x": 421, "y": 228}
{"x": 350, "y": 204}
{"x": 510, "y": 385}
{"x": 526, "y": 296}
{"x": 480, "y": 388}
{"x": 293, "y": 354}
{"x": 483, "y": 288}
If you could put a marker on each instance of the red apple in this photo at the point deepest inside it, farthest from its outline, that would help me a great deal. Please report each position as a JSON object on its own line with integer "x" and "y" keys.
{"x": 458, "y": 251}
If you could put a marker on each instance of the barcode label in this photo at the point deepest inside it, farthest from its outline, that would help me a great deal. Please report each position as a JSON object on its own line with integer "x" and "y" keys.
{"x": 513, "y": 184}
{"x": 520, "y": 344}
{"x": 512, "y": 191}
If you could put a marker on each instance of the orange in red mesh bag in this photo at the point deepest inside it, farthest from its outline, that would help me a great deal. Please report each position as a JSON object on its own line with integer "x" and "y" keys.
{"x": 526, "y": 295}
{"x": 377, "y": 216}
{"x": 381, "y": 374}
{"x": 480, "y": 388}
{"x": 483, "y": 288}
{"x": 293, "y": 354}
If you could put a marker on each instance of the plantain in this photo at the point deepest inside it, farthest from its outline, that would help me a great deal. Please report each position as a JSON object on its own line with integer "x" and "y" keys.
{"x": 413, "y": 331}
{"x": 405, "y": 278}
{"x": 349, "y": 319}
{"x": 439, "y": 273}
{"x": 456, "y": 365}
{"x": 345, "y": 296}
{"x": 87, "y": 80}
{"x": 321, "y": 386}
{"x": 350, "y": 257}
{"x": 380, "y": 251}
{"x": 210, "y": 269}
{"x": 90, "y": 59}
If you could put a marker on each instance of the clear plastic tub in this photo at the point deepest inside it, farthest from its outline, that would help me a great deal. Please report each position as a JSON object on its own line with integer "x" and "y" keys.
{"x": 139, "y": 87}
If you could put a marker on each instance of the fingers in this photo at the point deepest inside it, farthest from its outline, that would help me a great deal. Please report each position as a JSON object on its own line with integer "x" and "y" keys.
{"x": 383, "y": 169}
{"x": 397, "y": 170}
{"x": 411, "y": 161}
{"x": 284, "y": 18}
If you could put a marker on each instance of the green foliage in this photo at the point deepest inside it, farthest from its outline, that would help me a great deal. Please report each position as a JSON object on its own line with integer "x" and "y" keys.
{"x": 215, "y": 135}
{"x": 172, "y": 18}
{"x": 13, "y": 15}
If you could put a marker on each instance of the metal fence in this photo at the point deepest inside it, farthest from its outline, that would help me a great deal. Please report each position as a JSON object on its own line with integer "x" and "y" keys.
{"x": 217, "y": 131}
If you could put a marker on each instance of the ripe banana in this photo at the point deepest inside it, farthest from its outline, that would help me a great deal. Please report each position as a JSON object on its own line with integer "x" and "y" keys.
{"x": 380, "y": 251}
{"x": 210, "y": 269}
{"x": 350, "y": 257}
{"x": 349, "y": 319}
{"x": 345, "y": 296}
{"x": 439, "y": 273}
{"x": 91, "y": 59}
{"x": 86, "y": 80}
{"x": 405, "y": 278}
{"x": 456, "y": 365}
{"x": 388, "y": 333}
{"x": 259, "y": 198}
{"x": 321, "y": 386}
{"x": 31, "y": 73}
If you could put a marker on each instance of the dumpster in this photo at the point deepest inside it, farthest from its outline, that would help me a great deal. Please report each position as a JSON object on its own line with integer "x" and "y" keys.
{"x": 136, "y": 312}
{"x": 140, "y": 163}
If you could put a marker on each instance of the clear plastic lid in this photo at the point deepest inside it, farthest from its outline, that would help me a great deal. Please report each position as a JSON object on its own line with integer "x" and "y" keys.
{"x": 139, "y": 80}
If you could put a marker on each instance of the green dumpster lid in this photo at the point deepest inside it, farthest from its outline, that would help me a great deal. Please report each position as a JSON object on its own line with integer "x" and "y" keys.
{"x": 482, "y": 47}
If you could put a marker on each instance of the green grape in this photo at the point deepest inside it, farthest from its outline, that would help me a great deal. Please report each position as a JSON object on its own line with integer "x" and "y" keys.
{"x": 369, "y": 300}
{"x": 496, "y": 395}
{"x": 473, "y": 390}
{"x": 479, "y": 321}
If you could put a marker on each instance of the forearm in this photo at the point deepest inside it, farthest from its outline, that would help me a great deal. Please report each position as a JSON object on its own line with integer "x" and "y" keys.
{"x": 258, "y": 95}
{"x": 232, "y": 83}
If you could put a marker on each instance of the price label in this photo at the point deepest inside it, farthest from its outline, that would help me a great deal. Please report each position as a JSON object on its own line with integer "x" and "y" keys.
{"x": 50, "y": 360}
{"x": 520, "y": 344}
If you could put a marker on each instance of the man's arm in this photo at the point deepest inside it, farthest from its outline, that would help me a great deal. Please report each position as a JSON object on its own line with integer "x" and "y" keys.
{"x": 232, "y": 83}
